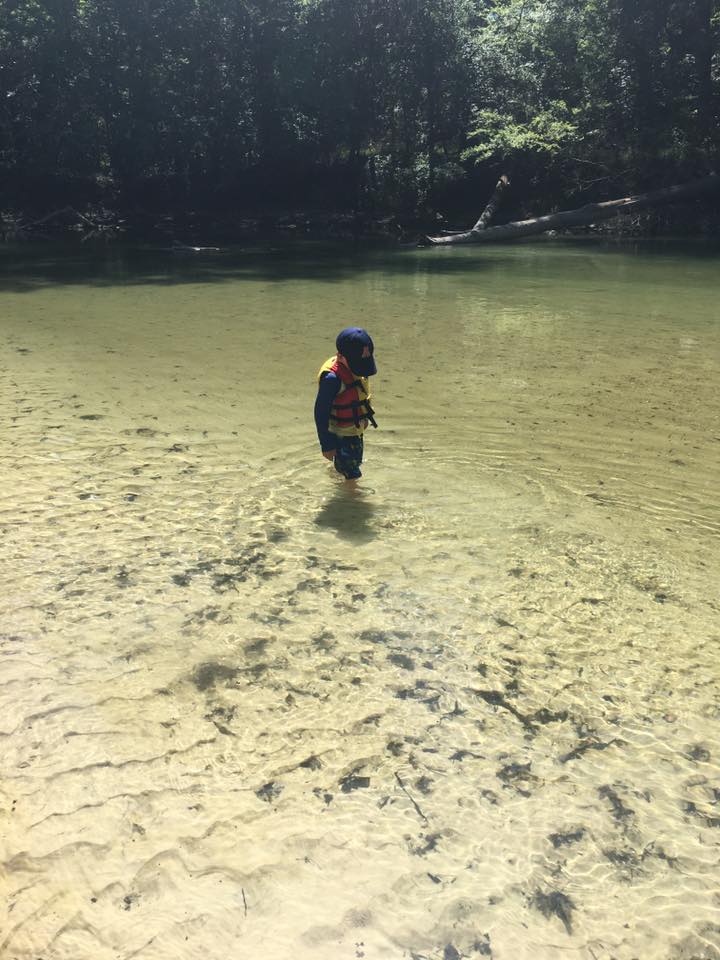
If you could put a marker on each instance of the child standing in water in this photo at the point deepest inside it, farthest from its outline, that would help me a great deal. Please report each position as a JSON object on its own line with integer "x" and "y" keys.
{"x": 342, "y": 407}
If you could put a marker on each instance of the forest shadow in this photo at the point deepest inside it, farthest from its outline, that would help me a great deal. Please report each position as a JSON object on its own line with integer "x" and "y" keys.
{"x": 26, "y": 269}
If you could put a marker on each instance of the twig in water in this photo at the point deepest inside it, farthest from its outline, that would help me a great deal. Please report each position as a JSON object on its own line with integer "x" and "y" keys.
{"x": 244, "y": 900}
{"x": 410, "y": 798}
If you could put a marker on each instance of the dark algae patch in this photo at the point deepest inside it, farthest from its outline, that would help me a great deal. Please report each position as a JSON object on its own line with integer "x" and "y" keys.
{"x": 311, "y": 763}
{"x": 482, "y": 947}
{"x": 354, "y": 782}
{"x": 382, "y": 636}
{"x": 627, "y": 860}
{"x": 461, "y": 755}
{"x": 257, "y": 647}
{"x": 618, "y": 809}
{"x": 421, "y": 692}
{"x": 207, "y": 674}
{"x": 531, "y": 721}
{"x": 424, "y": 784}
{"x": 402, "y": 661}
{"x": 269, "y": 791}
{"x": 219, "y": 716}
{"x": 565, "y": 839}
{"x": 226, "y": 573}
{"x": 555, "y": 904}
{"x": 586, "y": 745}
{"x": 430, "y": 842}
{"x": 517, "y": 776}
{"x": 543, "y": 716}
{"x": 707, "y": 819}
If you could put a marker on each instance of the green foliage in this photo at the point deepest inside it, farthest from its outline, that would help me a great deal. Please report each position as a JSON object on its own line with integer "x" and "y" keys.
{"x": 374, "y": 103}
{"x": 502, "y": 138}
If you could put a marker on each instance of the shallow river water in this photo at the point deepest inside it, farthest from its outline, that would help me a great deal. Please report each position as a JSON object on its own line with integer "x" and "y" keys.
{"x": 468, "y": 710}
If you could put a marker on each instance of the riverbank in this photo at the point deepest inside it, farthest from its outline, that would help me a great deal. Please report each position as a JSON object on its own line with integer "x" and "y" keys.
{"x": 204, "y": 228}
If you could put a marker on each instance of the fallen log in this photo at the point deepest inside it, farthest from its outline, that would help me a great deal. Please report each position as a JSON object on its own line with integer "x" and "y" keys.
{"x": 583, "y": 216}
{"x": 481, "y": 223}
{"x": 63, "y": 212}
{"x": 103, "y": 227}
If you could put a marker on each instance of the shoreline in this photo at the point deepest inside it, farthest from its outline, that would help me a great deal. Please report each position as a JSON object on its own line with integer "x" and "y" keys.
{"x": 206, "y": 228}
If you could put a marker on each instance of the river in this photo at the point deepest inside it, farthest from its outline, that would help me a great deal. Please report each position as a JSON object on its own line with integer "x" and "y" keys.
{"x": 469, "y": 709}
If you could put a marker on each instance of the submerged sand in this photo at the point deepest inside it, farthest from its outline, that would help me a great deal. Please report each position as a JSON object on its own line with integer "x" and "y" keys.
{"x": 470, "y": 710}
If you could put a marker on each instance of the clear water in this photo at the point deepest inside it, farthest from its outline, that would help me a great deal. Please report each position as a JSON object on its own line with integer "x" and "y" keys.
{"x": 468, "y": 710}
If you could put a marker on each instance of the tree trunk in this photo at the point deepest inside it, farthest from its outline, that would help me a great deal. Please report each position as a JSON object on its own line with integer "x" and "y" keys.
{"x": 492, "y": 204}
{"x": 584, "y": 215}
{"x": 704, "y": 47}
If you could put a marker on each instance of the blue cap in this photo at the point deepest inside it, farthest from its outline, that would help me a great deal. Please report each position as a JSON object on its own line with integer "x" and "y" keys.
{"x": 350, "y": 343}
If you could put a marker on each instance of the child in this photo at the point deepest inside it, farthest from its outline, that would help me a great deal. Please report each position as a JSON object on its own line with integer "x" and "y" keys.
{"x": 342, "y": 407}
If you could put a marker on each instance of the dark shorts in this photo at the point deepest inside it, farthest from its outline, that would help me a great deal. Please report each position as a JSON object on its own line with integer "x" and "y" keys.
{"x": 348, "y": 457}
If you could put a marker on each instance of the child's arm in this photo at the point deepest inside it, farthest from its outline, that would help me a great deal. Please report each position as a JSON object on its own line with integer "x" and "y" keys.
{"x": 327, "y": 391}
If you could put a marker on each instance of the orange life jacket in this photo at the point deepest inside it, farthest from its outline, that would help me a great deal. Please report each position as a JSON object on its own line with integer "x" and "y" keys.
{"x": 351, "y": 408}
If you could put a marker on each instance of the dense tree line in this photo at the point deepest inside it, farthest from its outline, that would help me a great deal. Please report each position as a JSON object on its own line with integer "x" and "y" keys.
{"x": 389, "y": 105}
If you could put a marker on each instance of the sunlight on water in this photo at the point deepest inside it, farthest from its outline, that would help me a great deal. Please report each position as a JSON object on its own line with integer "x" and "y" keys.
{"x": 468, "y": 710}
